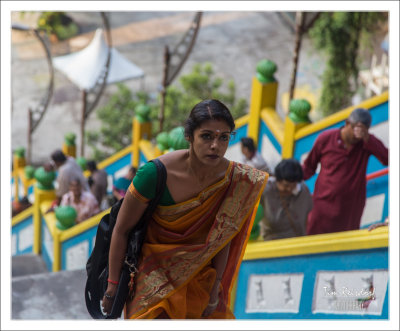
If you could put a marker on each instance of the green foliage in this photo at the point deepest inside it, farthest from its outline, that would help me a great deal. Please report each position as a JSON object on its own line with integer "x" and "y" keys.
{"x": 198, "y": 85}
{"x": 116, "y": 118}
{"x": 339, "y": 34}
{"x": 58, "y": 23}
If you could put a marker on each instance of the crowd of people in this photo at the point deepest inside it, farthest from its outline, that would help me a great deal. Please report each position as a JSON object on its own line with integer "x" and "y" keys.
{"x": 88, "y": 196}
{"x": 339, "y": 196}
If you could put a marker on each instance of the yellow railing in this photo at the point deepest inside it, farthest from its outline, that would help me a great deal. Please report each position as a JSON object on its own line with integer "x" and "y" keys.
{"x": 322, "y": 243}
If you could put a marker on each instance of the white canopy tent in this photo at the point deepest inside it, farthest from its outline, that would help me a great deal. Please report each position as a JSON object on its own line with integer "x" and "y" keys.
{"x": 84, "y": 67}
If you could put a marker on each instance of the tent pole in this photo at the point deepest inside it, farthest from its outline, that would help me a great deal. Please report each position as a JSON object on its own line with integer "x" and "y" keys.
{"x": 29, "y": 155}
{"x": 83, "y": 119}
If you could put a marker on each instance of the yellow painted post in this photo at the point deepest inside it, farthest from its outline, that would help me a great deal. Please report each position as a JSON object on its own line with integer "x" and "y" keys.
{"x": 16, "y": 185}
{"x": 295, "y": 120}
{"x": 40, "y": 196}
{"x": 36, "y": 222}
{"x": 57, "y": 251}
{"x": 69, "y": 150}
{"x": 262, "y": 96}
{"x": 157, "y": 152}
{"x": 288, "y": 141}
{"x": 140, "y": 131}
{"x": 135, "y": 142}
{"x": 19, "y": 162}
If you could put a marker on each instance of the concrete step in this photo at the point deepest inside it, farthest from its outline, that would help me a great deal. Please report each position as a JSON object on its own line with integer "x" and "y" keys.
{"x": 27, "y": 264}
{"x": 51, "y": 295}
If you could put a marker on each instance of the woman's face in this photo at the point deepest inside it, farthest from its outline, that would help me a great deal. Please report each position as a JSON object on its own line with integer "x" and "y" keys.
{"x": 76, "y": 189}
{"x": 210, "y": 141}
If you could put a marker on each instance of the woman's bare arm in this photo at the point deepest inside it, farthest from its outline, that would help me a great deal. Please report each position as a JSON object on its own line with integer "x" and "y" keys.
{"x": 219, "y": 263}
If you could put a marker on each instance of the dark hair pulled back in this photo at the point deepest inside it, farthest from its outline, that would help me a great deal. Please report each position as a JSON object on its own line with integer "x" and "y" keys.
{"x": 208, "y": 110}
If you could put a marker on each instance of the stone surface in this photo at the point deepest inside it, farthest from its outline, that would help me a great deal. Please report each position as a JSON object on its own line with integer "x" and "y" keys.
{"x": 27, "y": 264}
{"x": 49, "y": 296}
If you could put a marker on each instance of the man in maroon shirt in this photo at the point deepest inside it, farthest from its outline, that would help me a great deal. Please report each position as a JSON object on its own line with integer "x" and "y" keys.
{"x": 340, "y": 190}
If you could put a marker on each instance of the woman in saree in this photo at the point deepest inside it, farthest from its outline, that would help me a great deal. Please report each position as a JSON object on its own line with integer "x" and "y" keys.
{"x": 198, "y": 233}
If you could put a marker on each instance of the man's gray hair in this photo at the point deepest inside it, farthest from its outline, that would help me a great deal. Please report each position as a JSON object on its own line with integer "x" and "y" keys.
{"x": 361, "y": 115}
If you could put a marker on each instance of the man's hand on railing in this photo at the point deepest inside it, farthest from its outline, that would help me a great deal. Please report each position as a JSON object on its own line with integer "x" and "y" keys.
{"x": 54, "y": 204}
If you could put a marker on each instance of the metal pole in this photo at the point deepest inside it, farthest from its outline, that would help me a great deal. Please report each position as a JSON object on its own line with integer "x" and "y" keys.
{"x": 28, "y": 152}
{"x": 164, "y": 88}
{"x": 299, "y": 33}
{"x": 83, "y": 119}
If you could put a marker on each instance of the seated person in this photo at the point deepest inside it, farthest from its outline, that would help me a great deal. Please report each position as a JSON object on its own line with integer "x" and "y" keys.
{"x": 83, "y": 201}
{"x": 287, "y": 202}
{"x": 18, "y": 206}
{"x": 121, "y": 184}
{"x": 67, "y": 169}
{"x": 251, "y": 157}
{"x": 97, "y": 181}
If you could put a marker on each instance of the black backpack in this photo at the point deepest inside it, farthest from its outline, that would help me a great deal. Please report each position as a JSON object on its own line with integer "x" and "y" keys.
{"x": 97, "y": 264}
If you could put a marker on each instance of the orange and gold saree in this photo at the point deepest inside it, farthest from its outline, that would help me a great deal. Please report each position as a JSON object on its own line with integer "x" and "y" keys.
{"x": 175, "y": 274}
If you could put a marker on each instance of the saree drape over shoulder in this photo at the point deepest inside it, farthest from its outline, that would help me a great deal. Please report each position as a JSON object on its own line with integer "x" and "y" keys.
{"x": 175, "y": 275}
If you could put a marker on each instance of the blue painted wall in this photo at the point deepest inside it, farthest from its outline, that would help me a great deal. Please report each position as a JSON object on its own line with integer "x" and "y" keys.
{"x": 241, "y": 132}
{"x": 264, "y": 130}
{"x": 309, "y": 265}
{"x": 112, "y": 168}
{"x": 44, "y": 252}
{"x": 16, "y": 229}
{"x": 87, "y": 235}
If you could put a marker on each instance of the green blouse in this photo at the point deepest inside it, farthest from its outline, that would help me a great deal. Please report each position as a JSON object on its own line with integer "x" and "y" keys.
{"x": 145, "y": 183}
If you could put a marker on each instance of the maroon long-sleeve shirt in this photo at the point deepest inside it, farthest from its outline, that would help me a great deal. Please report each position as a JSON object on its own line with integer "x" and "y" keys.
{"x": 340, "y": 190}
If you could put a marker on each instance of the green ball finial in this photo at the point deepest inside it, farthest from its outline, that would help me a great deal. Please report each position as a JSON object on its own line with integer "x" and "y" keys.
{"x": 20, "y": 152}
{"x": 176, "y": 138}
{"x": 265, "y": 71}
{"x": 298, "y": 110}
{"x": 82, "y": 163}
{"x": 162, "y": 141}
{"x": 29, "y": 171}
{"x": 142, "y": 113}
{"x": 70, "y": 139}
{"x": 44, "y": 178}
{"x": 66, "y": 216}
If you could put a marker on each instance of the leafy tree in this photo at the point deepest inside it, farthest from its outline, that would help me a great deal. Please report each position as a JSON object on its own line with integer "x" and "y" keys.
{"x": 201, "y": 83}
{"x": 116, "y": 116}
{"x": 339, "y": 35}
{"x": 116, "y": 123}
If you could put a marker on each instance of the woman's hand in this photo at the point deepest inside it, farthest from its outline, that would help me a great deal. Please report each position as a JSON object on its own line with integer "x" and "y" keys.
{"x": 108, "y": 298}
{"x": 210, "y": 308}
{"x": 214, "y": 299}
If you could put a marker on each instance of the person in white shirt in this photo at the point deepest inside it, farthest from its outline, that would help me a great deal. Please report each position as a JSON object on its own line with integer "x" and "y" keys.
{"x": 251, "y": 157}
{"x": 84, "y": 202}
{"x": 67, "y": 169}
